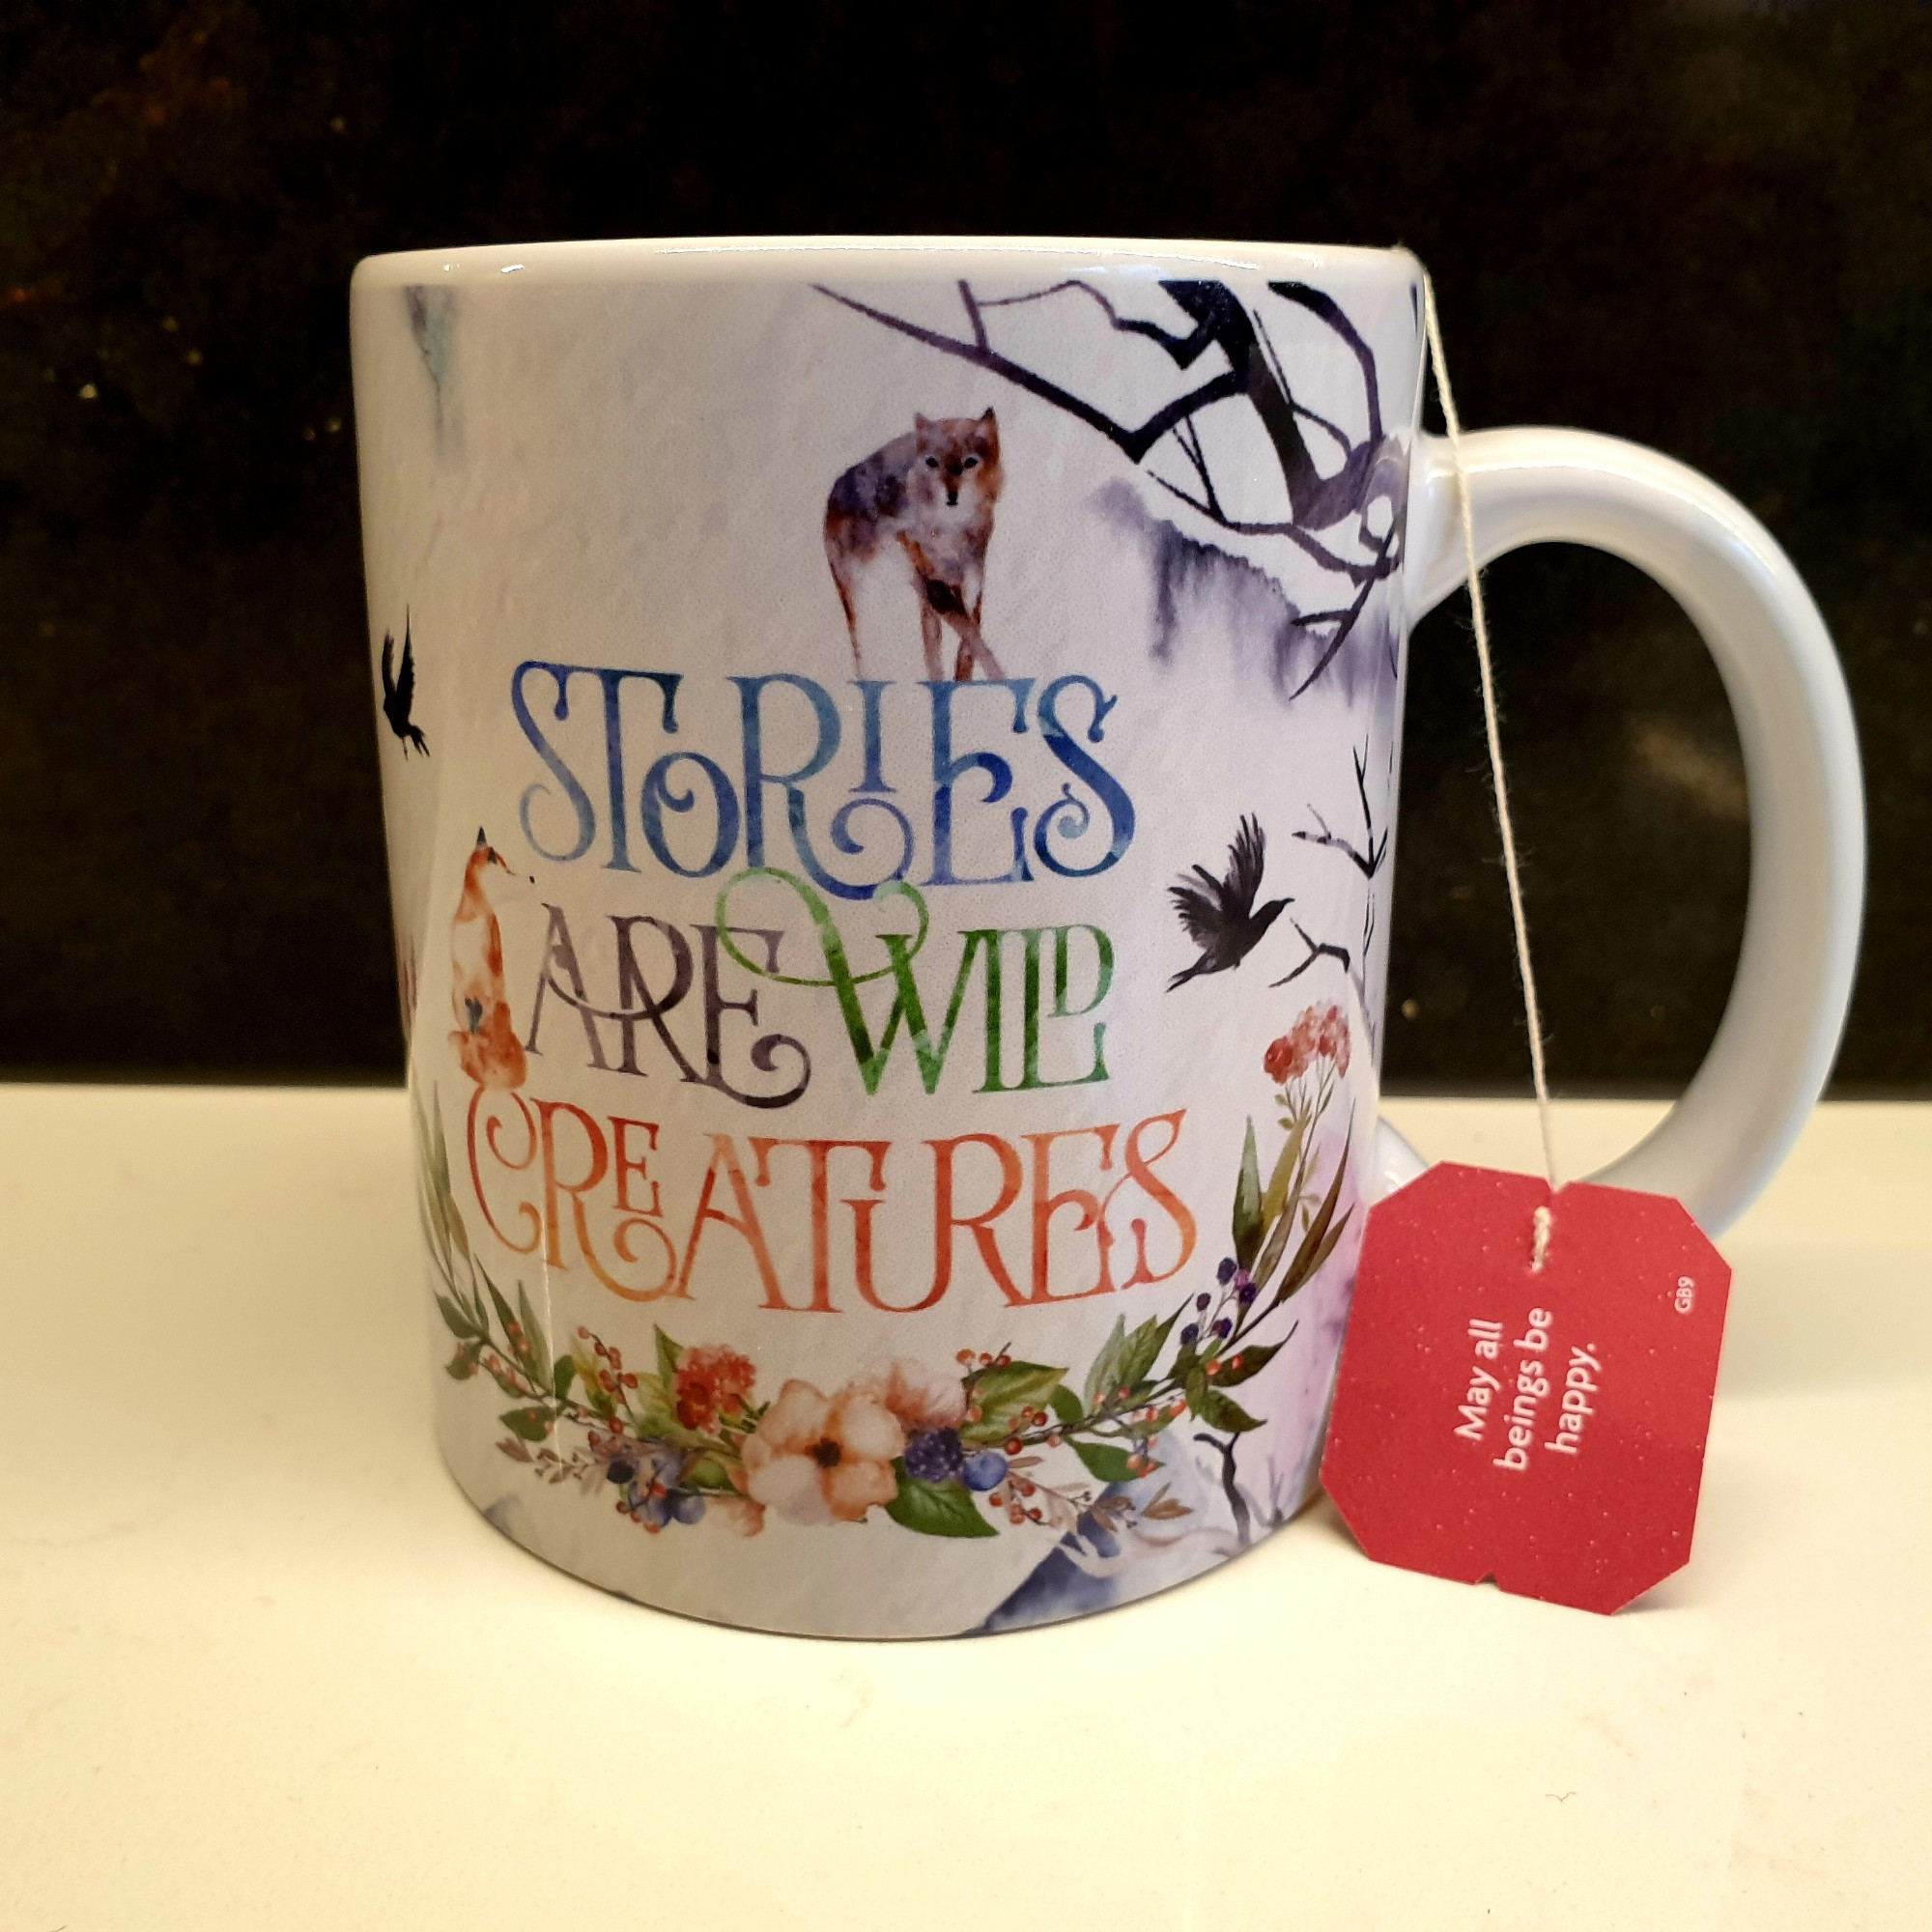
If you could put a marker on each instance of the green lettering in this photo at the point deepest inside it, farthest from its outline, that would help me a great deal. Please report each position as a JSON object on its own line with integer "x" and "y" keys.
{"x": 1030, "y": 1023}
{"x": 908, "y": 1009}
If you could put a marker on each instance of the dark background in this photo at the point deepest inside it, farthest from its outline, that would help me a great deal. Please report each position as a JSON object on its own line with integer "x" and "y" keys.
{"x": 1707, "y": 227}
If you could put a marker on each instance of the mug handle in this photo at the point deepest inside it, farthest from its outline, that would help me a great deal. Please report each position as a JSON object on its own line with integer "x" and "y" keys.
{"x": 1773, "y": 1049}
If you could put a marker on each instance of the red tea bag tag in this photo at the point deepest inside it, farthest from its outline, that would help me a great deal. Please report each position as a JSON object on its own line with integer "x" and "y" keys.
{"x": 1524, "y": 1394}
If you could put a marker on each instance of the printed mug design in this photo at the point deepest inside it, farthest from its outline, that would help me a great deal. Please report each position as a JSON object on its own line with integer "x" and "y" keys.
{"x": 895, "y": 1153}
{"x": 689, "y": 1441}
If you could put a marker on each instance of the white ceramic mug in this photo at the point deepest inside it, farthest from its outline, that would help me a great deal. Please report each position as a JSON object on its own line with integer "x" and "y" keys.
{"x": 889, "y": 762}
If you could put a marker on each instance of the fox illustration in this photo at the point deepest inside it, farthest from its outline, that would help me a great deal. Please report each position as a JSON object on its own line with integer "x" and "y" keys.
{"x": 485, "y": 1040}
{"x": 931, "y": 495}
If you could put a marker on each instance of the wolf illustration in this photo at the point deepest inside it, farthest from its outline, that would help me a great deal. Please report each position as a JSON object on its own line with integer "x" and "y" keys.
{"x": 485, "y": 1040}
{"x": 931, "y": 495}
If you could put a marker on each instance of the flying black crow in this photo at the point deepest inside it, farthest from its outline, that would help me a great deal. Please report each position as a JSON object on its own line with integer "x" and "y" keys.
{"x": 399, "y": 690}
{"x": 1220, "y": 915}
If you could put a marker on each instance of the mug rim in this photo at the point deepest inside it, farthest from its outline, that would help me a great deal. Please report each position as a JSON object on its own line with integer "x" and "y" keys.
{"x": 774, "y": 257}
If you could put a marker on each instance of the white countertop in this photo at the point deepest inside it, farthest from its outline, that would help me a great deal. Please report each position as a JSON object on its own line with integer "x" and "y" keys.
{"x": 264, "y": 1667}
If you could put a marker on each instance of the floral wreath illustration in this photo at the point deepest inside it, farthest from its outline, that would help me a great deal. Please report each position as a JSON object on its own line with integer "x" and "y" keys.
{"x": 943, "y": 1452}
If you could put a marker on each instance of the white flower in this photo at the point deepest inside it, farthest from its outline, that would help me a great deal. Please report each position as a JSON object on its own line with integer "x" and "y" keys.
{"x": 822, "y": 1460}
{"x": 919, "y": 1397}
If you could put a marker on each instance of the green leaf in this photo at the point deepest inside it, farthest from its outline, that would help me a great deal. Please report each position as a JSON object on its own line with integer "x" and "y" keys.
{"x": 440, "y": 1154}
{"x": 1102, "y": 1376}
{"x": 649, "y": 1413}
{"x": 434, "y": 1232}
{"x": 1253, "y": 1358}
{"x": 502, "y": 1308}
{"x": 1247, "y": 1216}
{"x": 1316, "y": 1248}
{"x": 1222, "y": 1411}
{"x": 1276, "y": 1199}
{"x": 454, "y": 1318}
{"x": 668, "y": 1356}
{"x": 675, "y": 1433}
{"x": 437, "y": 1174}
{"x": 1281, "y": 1223}
{"x": 563, "y": 1376}
{"x": 536, "y": 1345}
{"x": 1066, "y": 1406}
{"x": 1105, "y": 1460}
{"x": 1194, "y": 1385}
{"x": 707, "y": 1473}
{"x": 1327, "y": 1247}
{"x": 427, "y": 1198}
{"x": 936, "y": 1509}
{"x": 1141, "y": 1350}
{"x": 463, "y": 1364}
{"x": 1001, "y": 1393}
{"x": 532, "y": 1424}
{"x": 651, "y": 1403}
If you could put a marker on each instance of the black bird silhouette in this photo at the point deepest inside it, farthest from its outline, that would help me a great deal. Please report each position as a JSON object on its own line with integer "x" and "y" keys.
{"x": 1220, "y": 915}
{"x": 399, "y": 690}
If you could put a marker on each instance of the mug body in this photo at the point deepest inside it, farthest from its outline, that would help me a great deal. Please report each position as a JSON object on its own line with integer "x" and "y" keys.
{"x": 890, "y": 759}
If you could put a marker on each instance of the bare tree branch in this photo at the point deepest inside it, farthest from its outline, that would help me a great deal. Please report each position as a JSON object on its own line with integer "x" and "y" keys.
{"x": 1187, "y": 435}
{"x": 1316, "y": 950}
{"x": 1329, "y": 310}
{"x": 1371, "y": 471}
{"x": 1368, "y": 860}
{"x": 1186, "y": 350}
{"x": 1384, "y": 565}
{"x": 1237, "y": 1502}
{"x": 1341, "y": 638}
{"x": 1133, "y": 443}
{"x": 973, "y": 316}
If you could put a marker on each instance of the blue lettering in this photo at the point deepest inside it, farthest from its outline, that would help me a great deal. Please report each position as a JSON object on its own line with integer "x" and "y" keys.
{"x": 580, "y": 799}
{"x": 948, "y": 770}
{"x": 1070, "y": 815}
{"x": 659, "y": 794}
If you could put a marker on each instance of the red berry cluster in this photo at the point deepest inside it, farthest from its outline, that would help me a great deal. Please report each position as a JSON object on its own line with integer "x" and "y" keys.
{"x": 612, "y": 1377}
{"x": 711, "y": 1382}
{"x": 1321, "y": 1033}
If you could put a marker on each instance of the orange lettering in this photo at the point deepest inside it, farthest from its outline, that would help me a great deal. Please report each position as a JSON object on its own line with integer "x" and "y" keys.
{"x": 625, "y": 1166}
{"x": 1046, "y": 1203}
{"x": 944, "y": 1221}
{"x": 1140, "y": 1171}
{"x": 725, "y": 1160}
{"x": 547, "y": 1113}
{"x": 819, "y": 1154}
{"x": 525, "y": 1210}
{"x": 648, "y": 1219}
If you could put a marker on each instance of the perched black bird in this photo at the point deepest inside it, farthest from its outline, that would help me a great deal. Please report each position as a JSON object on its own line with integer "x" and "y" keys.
{"x": 399, "y": 690}
{"x": 1220, "y": 914}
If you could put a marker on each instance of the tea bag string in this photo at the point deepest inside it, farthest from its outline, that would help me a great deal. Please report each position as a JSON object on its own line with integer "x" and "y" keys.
{"x": 1532, "y": 1011}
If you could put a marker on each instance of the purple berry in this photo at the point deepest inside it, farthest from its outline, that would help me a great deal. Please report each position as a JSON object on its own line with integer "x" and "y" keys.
{"x": 1201, "y": 1301}
{"x": 1190, "y": 1335}
{"x": 1225, "y": 1274}
{"x": 1224, "y": 1327}
{"x": 936, "y": 1456}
